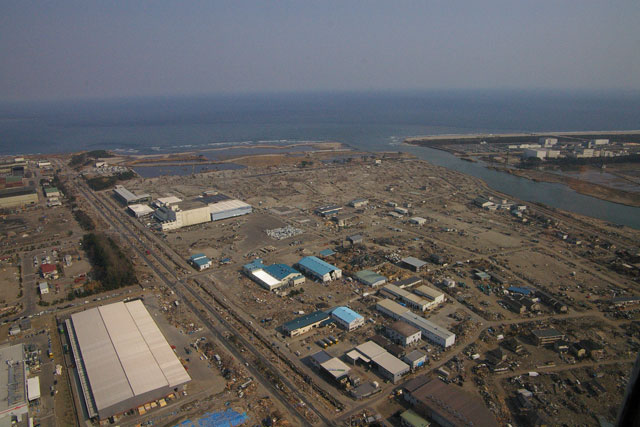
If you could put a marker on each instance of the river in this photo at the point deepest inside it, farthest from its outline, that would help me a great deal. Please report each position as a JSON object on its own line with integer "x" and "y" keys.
{"x": 551, "y": 194}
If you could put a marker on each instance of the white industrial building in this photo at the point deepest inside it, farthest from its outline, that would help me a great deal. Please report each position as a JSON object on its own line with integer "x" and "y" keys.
{"x": 128, "y": 198}
{"x": 430, "y": 331}
{"x": 547, "y": 142}
{"x": 402, "y": 333}
{"x": 139, "y": 210}
{"x": 388, "y": 365}
{"x": 434, "y": 295}
{"x": 417, "y": 220}
{"x": 122, "y": 359}
{"x": 13, "y": 383}
{"x": 406, "y": 297}
{"x": 173, "y": 216}
{"x": 347, "y": 318}
{"x": 534, "y": 152}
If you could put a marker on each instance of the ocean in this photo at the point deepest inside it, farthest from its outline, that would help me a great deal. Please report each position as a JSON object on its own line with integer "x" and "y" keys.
{"x": 365, "y": 121}
{"x": 368, "y": 121}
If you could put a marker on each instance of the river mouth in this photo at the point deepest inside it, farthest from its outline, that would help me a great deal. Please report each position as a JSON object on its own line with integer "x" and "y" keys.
{"x": 551, "y": 194}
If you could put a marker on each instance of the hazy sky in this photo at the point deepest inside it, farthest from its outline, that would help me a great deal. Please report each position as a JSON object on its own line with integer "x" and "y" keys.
{"x": 61, "y": 49}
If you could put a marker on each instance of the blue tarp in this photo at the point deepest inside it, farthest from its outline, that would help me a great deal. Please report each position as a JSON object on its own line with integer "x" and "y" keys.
{"x": 228, "y": 418}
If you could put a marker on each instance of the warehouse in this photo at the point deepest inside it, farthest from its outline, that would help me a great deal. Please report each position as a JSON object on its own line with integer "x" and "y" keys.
{"x": 446, "y": 404}
{"x": 18, "y": 197}
{"x": 184, "y": 215}
{"x": 318, "y": 269}
{"x": 273, "y": 276}
{"x": 405, "y": 283}
{"x": 328, "y": 210}
{"x": 122, "y": 359}
{"x": 332, "y": 366}
{"x": 13, "y": 393}
{"x": 413, "y": 264}
{"x": 402, "y": 333}
{"x": 389, "y": 366}
{"x": 430, "y": 331}
{"x": 51, "y": 192}
{"x": 166, "y": 201}
{"x": 347, "y": 318}
{"x": 228, "y": 209}
{"x": 391, "y": 308}
{"x": 370, "y": 278}
{"x": 305, "y": 323}
{"x": 431, "y": 294}
{"x": 200, "y": 261}
{"x": 139, "y": 210}
{"x": 126, "y": 197}
{"x": 408, "y": 298}
{"x": 415, "y": 359}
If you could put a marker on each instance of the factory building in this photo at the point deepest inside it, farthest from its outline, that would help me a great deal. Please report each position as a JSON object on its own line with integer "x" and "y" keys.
{"x": 391, "y": 308}
{"x": 18, "y": 197}
{"x": 415, "y": 359}
{"x": 347, "y": 318}
{"x": 13, "y": 381}
{"x": 408, "y": 282}
{"x": 51, "y": 192}
{"x": 412, "y": 263}
{"x": 408, "y": 298}
{"x": 139, "y": 210}
{"x": 273, "y": 276}
{"x": 318, "y": 269}
{"x": 166, "y": 201}
{"x": 304, "y": 324}
{"x": 126, "y": 197}
{"x": 328, "y": 210}
{"x": 434, "y": 295}
{"x": 200, "y": 261}
{"x": 430, "y": 331}
{"x": 370, "y": 278}
{"x": 547, "y": 142}
{"x": 331, "y": 366}
{"x": 122, "y": 359}
{"x": 446, "y": 404}
{"x": 403, "y": 334}
{"x": 229, "y": 209}
{"x": 389, "y": 366}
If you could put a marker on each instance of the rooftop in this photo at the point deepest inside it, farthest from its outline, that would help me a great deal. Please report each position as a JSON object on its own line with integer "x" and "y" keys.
{"x": 280, "y": 271}
{"x": 415, "y": 355}
{"x": 256, "y": 264}
{"x": 450, "y": 402}
{"x": 227, "y": 205}
{"x": 391, "y": 363}
{"x": 546, "y": 333}
{"x": 317, "y": 265}
{"x": 346, "y": 314}
{"x": 403, "y": 328}
{"x": 413, "y": 280}
{"x": 369, "y": 276}
{"x": 427, "y": 325}
{"x": 370, "y": 349}
{"x": 415, "y": 262}
{"x": 124, "y": 353}
{"x": 306, "y": 320}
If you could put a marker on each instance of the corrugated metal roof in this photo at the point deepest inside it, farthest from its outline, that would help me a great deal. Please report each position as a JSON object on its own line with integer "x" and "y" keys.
{"x": 418, "y": 263}
{"x": 392, "y": 306}
{"x": 317, "y": 265}
{"x": 346, "y": 314}
{"x": 370, "y": 349}
{"x": 391, "y": 364}
{"x": 265, "y": 277}
{"x": 280, "y": 271}
{"x": 124, "y": 352}
{"x": 227, "y": 205}
{"x": 309, "y": 319}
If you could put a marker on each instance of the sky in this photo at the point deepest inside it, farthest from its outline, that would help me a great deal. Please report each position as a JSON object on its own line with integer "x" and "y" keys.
{"x": 54, "y": 50}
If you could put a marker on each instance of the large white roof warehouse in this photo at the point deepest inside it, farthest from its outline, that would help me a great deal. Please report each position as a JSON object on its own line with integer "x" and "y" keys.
{"x": 123, "y": 359}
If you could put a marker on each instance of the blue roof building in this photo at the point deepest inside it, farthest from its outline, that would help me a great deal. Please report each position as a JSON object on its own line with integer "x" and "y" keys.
{"x": 519, "y": 290}
{"x": 282, "y": 271}
{"x": 256, "y": 264}
{"x": 317, "y": 268}
{"x": 347, "y": 318}
{"x": 200, "y": 261}
{"x": 326, "y": 252}
{"x": 305, "y": 323}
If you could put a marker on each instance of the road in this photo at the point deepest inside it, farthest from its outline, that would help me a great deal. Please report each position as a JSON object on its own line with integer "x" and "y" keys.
{"x": 181, "y": 289}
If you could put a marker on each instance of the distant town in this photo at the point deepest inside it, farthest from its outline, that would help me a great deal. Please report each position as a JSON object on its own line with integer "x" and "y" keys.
{"x": 323, "y": 287}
